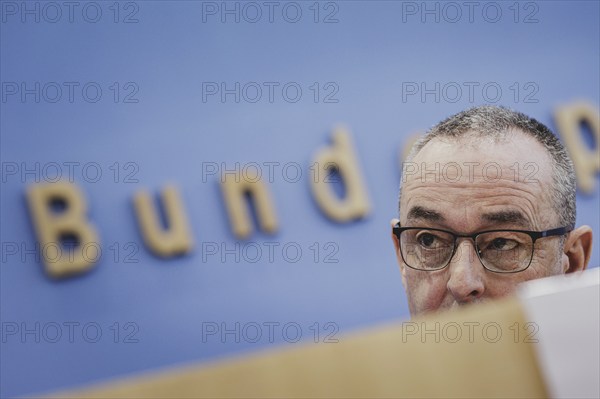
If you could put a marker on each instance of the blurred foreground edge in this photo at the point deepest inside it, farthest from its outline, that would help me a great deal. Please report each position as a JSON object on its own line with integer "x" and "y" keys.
{"x": 542, "y": 343}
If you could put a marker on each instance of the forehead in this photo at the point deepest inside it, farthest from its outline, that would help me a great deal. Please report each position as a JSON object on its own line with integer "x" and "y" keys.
{"x": 512, "y": 146}
{"x": 513, "y": 172}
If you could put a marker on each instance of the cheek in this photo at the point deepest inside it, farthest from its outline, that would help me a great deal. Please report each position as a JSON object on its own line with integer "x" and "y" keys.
{"x": 546, "y": 262}
{"x": 426, "y": 290}
{"x": 499, "y": 285}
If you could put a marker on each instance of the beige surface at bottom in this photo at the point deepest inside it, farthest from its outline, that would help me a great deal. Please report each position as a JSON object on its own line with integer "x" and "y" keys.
{"x": 480, "y": 352}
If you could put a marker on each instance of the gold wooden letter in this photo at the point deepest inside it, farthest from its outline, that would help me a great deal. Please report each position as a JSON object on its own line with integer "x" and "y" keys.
{"x": 176, "y": 239}
{"x": 234, "y": 187}
{"x": 408, "y": 145}
{"x": 342, "y": 157}
{"x": 51, "y": 227}
{"x": 585, "y": 160}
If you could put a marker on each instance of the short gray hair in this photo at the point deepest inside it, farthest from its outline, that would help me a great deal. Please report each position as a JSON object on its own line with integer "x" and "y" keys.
{"x": 495, "y": 122}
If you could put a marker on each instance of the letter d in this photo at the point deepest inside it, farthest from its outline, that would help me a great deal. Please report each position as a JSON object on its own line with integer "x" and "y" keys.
{"x": 341, "y": 156}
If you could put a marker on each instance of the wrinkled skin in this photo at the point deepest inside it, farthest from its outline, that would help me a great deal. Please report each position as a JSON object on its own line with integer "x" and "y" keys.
{"x": 462, "y": 197}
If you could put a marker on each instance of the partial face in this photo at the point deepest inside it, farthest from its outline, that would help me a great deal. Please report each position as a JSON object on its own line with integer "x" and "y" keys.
{"x": 471, "y": 185}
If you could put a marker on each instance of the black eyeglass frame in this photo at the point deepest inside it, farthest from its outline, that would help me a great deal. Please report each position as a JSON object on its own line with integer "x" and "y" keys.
{"x": 535, "y": 235}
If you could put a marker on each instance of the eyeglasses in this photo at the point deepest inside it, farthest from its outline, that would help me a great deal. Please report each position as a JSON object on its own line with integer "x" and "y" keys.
{"x": 500, "y": 251}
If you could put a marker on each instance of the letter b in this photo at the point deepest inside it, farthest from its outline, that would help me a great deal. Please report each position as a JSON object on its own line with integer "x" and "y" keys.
{"x": 51, "y": 227}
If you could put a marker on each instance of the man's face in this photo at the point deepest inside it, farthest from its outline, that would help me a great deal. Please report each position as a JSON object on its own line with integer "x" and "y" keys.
{"x": 477, "y": 185}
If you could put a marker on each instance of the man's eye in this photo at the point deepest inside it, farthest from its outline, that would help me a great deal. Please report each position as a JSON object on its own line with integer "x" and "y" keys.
{"x": 427, "y": 240}
{"x": 502, "y": 244}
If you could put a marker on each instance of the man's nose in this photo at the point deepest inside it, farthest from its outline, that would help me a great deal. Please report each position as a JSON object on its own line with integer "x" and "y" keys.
{"x": 467, "y": 275}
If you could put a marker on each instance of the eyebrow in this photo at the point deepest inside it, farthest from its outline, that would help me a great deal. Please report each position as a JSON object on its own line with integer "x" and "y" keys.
{"x": 508, "y": 217}
{"x": 512, "y": 217}
{"x": 419, "y": 212}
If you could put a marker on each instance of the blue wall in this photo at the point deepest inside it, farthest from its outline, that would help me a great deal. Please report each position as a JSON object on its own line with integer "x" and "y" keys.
{"x": 362, "y": 61}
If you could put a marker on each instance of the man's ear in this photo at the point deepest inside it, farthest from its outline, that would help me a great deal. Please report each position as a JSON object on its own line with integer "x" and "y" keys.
{"x": 393, "y": 222}
{"x": 577, "y": 250}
